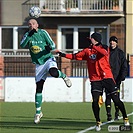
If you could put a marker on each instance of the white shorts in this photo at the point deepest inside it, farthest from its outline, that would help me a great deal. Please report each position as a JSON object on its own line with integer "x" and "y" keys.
{"x": 43, "y": 70}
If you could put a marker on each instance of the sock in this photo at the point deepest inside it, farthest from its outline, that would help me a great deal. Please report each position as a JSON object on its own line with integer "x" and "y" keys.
{"x": 120, "y": 105}
{"x": 116, "y": 110}
{"x": 38, "y": 102}
{"x": 108, "y": 109}
{"x": 122, "y": 109}
{"x": 116, "y": 107}
{"x": 61, "y": 74}
{"x": 96, "y": 110}
{"x": 108, "y": 104}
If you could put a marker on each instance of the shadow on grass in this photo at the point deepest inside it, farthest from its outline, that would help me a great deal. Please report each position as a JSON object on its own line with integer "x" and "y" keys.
{"x": 46, "y": 123}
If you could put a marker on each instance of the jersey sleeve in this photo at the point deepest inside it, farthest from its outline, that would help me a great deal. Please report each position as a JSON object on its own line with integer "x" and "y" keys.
{"x": 124, "y": 68}
{"x": 101, "y": 50}
{"x": 25, "y": 40}
{"x": 77, "y": 56}
{"x": 49, "y": 40}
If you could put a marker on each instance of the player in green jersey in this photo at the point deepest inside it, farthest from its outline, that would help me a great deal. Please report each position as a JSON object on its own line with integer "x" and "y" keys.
{"x": 40, "y": 45}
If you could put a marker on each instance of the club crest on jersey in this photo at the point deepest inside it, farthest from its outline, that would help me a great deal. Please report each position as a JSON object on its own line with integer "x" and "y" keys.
{"x": 36, "y": 49}
{"x": 93, "y": 56}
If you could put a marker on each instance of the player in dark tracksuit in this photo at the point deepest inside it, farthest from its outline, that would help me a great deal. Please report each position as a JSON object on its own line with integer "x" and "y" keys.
{"x": 100, "y": 75}
{"x": 119, "y": 69}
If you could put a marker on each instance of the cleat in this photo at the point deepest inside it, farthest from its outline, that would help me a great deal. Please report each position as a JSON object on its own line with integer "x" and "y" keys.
{"x": 67, "y": 81}
{"x": 37, "y": 118}
{"x": 116, "y": 116}
{"x": 98, "y": 126}
{"x": 126, "y": 122}
{"x": 109, "y": 117}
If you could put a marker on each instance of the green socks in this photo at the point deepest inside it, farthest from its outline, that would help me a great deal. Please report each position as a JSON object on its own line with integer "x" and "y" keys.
{"x": 38, "y": 96}
{"x": 38, "y": 102}
{"x": 61, "y": 74}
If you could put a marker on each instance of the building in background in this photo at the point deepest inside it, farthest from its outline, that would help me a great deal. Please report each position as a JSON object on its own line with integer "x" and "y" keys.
{"x": 69, "y": 22}
{"x": 0, "y": 12}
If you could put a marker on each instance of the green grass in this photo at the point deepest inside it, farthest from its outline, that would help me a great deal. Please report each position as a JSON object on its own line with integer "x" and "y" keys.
{"x": 58, "y": 117}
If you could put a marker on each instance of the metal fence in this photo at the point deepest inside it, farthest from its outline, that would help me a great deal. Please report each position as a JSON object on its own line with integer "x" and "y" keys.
{"x": 18, "y": 63}
{"x": 81, "y": 5}
{"x": 74, "y": 6}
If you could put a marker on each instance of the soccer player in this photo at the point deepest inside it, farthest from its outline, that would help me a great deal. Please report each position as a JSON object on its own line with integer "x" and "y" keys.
{"x": 97, "y": 57}
{"x": 40, "y": 45}
{"x": 119, "y": 69}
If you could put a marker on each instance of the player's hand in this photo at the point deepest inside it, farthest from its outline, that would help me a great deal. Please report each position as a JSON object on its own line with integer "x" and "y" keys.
{"x": 61, "y": 54}
{"x": 48, "y": 48}
{"x": 89, "y": 42}
{"x": 32, "y": 32}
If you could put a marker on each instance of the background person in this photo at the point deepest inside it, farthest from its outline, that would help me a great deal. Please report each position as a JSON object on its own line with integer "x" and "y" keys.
{"x": 100, "y": 75}
{"x": 40, "y": 44}
{"x": 119, "y": 69}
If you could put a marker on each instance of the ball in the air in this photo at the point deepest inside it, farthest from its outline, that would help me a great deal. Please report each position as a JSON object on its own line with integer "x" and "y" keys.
{"x": 35, "y": 12}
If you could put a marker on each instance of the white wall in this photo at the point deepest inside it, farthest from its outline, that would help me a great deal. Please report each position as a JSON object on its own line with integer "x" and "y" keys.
{"x": 1, "y": 88}
{"x": 55, "y": 90}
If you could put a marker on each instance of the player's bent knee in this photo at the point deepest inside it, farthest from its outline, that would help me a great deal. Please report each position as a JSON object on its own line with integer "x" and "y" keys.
{"x": 54, "y": 72}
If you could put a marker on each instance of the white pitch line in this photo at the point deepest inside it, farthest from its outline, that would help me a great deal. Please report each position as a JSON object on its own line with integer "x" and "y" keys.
{"x": 93, "y": 127}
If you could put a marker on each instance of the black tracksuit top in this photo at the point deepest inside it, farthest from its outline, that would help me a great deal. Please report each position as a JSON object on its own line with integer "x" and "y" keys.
{"x": 118, "y": 64}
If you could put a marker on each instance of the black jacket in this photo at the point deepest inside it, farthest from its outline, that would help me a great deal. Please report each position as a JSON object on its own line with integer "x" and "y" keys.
{"x": 118, "y": 64}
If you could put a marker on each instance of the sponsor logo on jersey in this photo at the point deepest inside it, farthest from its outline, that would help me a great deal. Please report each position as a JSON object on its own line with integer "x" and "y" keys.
{"x": 93, "y": 56}
{"x": 36, "y": 49}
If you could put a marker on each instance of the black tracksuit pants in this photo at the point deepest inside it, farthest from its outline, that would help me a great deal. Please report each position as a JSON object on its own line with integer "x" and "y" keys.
{"x": 108, "y": 102}
{"x": 97, "y": 90}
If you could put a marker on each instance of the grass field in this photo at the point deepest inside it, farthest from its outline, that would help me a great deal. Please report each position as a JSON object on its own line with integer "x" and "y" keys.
{"x": 58, "y": 118}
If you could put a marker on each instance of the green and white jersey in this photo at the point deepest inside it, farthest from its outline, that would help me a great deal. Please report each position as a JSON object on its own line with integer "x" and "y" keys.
{"x": 36, "y": 44}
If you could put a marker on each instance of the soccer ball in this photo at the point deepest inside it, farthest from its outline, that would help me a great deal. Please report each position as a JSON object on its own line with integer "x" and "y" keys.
{"x": 35, "y": 12}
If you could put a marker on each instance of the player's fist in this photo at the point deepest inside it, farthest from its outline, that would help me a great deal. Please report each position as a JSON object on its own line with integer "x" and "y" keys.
{"x": 61, "y": 54}
{"x": 48, "y": 48}
{"x": 32, "y": 32}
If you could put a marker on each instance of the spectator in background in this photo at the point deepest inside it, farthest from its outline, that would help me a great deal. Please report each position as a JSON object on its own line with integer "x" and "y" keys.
{"x": 40, "y": 45}
{"x": 119, "y": 69}
{"x": 97, "y": 57}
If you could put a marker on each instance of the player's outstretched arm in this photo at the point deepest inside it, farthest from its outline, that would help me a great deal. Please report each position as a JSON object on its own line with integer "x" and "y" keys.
{"x": 68, "y": 56}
